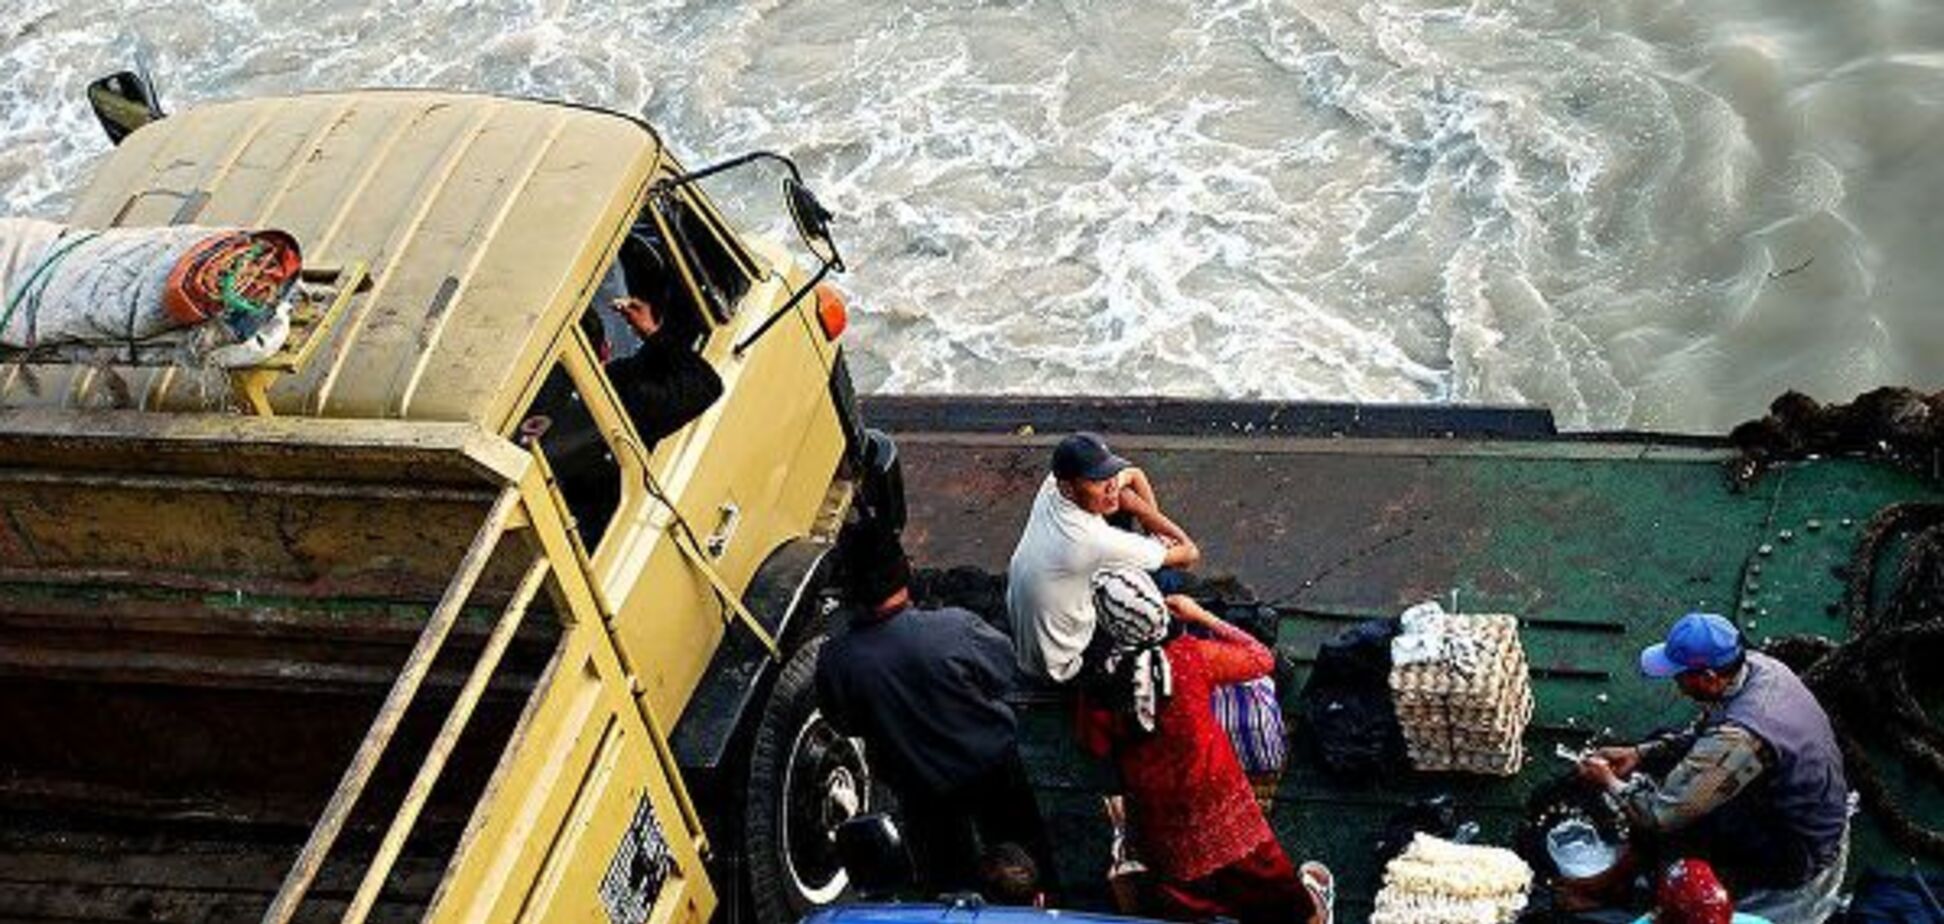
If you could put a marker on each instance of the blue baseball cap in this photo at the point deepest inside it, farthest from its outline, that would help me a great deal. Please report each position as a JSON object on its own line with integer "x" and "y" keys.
{"x": 1086, "y": 457}
{"x": 1698, "y": 641}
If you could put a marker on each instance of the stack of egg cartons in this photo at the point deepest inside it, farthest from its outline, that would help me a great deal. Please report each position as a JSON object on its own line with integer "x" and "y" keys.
{"x": 1462, "y": 691}
{"x": 1438, "y": 882}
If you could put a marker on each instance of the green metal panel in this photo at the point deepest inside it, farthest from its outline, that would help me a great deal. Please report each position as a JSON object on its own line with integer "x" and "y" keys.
{"x": 1597, "y": 546}
{"x": 1622, "y": 545}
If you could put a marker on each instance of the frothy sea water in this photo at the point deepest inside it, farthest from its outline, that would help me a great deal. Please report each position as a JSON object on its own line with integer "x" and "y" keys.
{"x": 1640, "y": 213}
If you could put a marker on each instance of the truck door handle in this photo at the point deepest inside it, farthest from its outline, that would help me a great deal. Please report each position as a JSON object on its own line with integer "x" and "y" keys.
{"x": 718, "y": 541}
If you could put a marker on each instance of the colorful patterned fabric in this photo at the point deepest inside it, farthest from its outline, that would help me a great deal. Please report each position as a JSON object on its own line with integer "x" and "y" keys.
{"x": 1253, "y": 719}
{"x": 1135, "y": 619}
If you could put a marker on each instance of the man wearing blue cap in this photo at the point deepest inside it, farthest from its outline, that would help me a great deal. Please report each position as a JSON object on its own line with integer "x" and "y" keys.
{"x": 1756, "y": 783}
{"x": 1049, "y": 582}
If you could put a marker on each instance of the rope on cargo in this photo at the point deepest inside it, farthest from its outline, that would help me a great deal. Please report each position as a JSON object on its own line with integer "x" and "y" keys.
{"x": 36, "y": 281}
{"x": 248, "y": 267}
{"x": 1863, "y": 682}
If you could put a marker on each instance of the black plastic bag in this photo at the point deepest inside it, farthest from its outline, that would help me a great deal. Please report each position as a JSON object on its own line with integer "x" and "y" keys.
{"x": 1346, "y": 703}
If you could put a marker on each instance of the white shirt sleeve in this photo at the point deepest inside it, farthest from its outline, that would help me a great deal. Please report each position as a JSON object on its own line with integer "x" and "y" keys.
{"x": 1118, "y": 548}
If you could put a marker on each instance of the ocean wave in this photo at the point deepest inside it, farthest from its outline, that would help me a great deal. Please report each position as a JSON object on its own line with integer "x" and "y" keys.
{"x": 1650, "y": 215}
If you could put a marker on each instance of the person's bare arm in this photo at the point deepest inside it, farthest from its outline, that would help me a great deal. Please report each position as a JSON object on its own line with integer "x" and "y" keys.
{"x": 1135, "y": 482}
{"x": 1182, "y": 551}
{"x": 1230, "y": 654}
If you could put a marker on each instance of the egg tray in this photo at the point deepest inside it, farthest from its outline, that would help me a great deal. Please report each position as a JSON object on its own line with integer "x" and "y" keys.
{"x": 1468, "y": 713}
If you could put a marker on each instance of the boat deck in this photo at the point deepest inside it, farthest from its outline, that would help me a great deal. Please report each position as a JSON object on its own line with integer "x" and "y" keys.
{"x": 1337, "y": 514}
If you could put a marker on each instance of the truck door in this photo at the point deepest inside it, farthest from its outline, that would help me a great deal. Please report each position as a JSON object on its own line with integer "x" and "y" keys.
{"x": 675, "y": 529}
{"x": 748, "y": 475}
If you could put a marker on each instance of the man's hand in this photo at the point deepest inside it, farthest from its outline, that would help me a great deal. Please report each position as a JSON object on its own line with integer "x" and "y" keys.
{"x": 1623, "y": 760}
{"x": 1187, "y": 610}
{"x": 1597, "y": 771}
{"x": 639, "y": 314}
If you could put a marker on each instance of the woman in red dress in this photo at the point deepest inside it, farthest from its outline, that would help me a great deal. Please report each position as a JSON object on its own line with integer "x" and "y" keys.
{"x": 1196, "y": 822}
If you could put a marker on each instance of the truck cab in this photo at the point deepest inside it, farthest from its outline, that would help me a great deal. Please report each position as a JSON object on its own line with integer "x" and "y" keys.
{"x": 410, "y": 621}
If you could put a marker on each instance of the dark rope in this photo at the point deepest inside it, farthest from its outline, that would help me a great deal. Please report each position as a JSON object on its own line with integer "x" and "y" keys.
{"x": 1863, "y": 682}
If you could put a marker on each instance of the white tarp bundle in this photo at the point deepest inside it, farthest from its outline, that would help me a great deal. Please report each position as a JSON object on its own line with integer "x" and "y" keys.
{"x": 81, "y": 293}
{"x": 1438, "y": 882}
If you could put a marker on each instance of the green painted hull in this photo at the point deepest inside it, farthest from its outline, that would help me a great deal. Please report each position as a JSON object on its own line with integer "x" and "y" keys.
{"x": 1595, "y": 543}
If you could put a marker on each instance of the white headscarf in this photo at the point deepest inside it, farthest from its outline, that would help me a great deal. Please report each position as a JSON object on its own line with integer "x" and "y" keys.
{"x": 1131, "y": 611}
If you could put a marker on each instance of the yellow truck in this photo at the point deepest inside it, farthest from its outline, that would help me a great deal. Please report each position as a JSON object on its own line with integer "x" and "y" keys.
{"x": 409, "y": 621}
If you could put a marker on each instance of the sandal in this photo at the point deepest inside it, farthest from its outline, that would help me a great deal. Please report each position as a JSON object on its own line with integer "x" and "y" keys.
{"x": 1322, "y": 889}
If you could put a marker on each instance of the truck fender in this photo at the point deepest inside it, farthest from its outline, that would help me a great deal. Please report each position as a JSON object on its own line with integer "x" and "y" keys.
{"x": 782, "y": 595}
{"x": 752, "y": 736}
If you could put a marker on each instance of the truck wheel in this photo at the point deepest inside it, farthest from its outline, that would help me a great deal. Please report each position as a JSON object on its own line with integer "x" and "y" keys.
{"x": 805, "y": 780}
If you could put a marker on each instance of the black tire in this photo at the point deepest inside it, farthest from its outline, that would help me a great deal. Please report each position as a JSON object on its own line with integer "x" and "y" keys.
{"x": 804, "y": 780}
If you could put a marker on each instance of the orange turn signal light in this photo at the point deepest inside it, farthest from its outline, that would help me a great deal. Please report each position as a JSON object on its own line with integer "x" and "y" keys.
{"x": 832, "y": 316}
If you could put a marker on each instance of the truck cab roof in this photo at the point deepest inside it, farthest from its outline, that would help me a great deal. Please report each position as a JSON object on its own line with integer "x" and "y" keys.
{"x": 484, "y": 223}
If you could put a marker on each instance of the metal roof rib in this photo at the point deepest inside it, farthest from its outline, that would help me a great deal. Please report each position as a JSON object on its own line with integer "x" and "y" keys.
{"x": 375, "y": 304}
{"x": 311, "y": 144}
{"x": 432, "y": 327}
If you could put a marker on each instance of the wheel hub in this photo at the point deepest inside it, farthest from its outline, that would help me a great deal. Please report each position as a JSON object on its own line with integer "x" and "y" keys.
{"x": 841, "y": 799}
{"x": 826, "y": 783}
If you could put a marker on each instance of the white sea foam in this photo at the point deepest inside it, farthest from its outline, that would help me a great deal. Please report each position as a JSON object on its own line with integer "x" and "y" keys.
{"x": 1639, "y": 214}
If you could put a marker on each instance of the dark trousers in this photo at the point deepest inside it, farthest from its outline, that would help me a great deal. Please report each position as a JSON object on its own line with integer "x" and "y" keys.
{"x": 1260, "y": 888}
{"x": 948, "y": 832}
{"x": 1748, "y": 845}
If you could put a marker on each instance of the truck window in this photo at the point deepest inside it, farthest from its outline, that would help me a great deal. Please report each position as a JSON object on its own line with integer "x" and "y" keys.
{"x": 579, "y": 454}
{"x": 662, "y": 380}
{"x": 719, "y": 274}
{"x": 648, "y": 272}
{"x": 662, "y": 383}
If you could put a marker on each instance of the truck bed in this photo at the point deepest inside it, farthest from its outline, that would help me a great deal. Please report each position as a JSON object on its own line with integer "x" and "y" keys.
{"x": 170, "y": 768}
{"x": 198, "y": 624}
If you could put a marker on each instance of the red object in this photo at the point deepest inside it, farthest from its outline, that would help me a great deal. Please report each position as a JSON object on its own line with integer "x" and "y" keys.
{"x": 1260, "y": 888}
{"x": 1190, "y": 804}
{"x": 832, "y": 316}
{"x": 261, "y": 266}
{"x": 1689, "y": 893}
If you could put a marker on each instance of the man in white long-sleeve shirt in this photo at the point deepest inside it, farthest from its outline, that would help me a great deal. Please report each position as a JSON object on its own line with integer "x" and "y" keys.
{"x": 1067, "y": 539}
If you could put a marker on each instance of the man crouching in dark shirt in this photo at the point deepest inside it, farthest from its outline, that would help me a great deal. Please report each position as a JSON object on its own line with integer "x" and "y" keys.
{"x": 926, "y": 691}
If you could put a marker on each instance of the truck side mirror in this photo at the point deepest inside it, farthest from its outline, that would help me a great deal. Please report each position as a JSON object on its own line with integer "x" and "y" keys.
{"x": 123, "y": 102}
{"x": 812, "y": 222}
{"x": 882, "y": 499}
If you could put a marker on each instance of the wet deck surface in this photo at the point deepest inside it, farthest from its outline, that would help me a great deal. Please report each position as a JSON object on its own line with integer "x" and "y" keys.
{"x": 1596, "y": 545}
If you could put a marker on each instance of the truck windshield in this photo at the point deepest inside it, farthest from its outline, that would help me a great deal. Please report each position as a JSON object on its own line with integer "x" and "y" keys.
{"x": 719, "y": 273}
